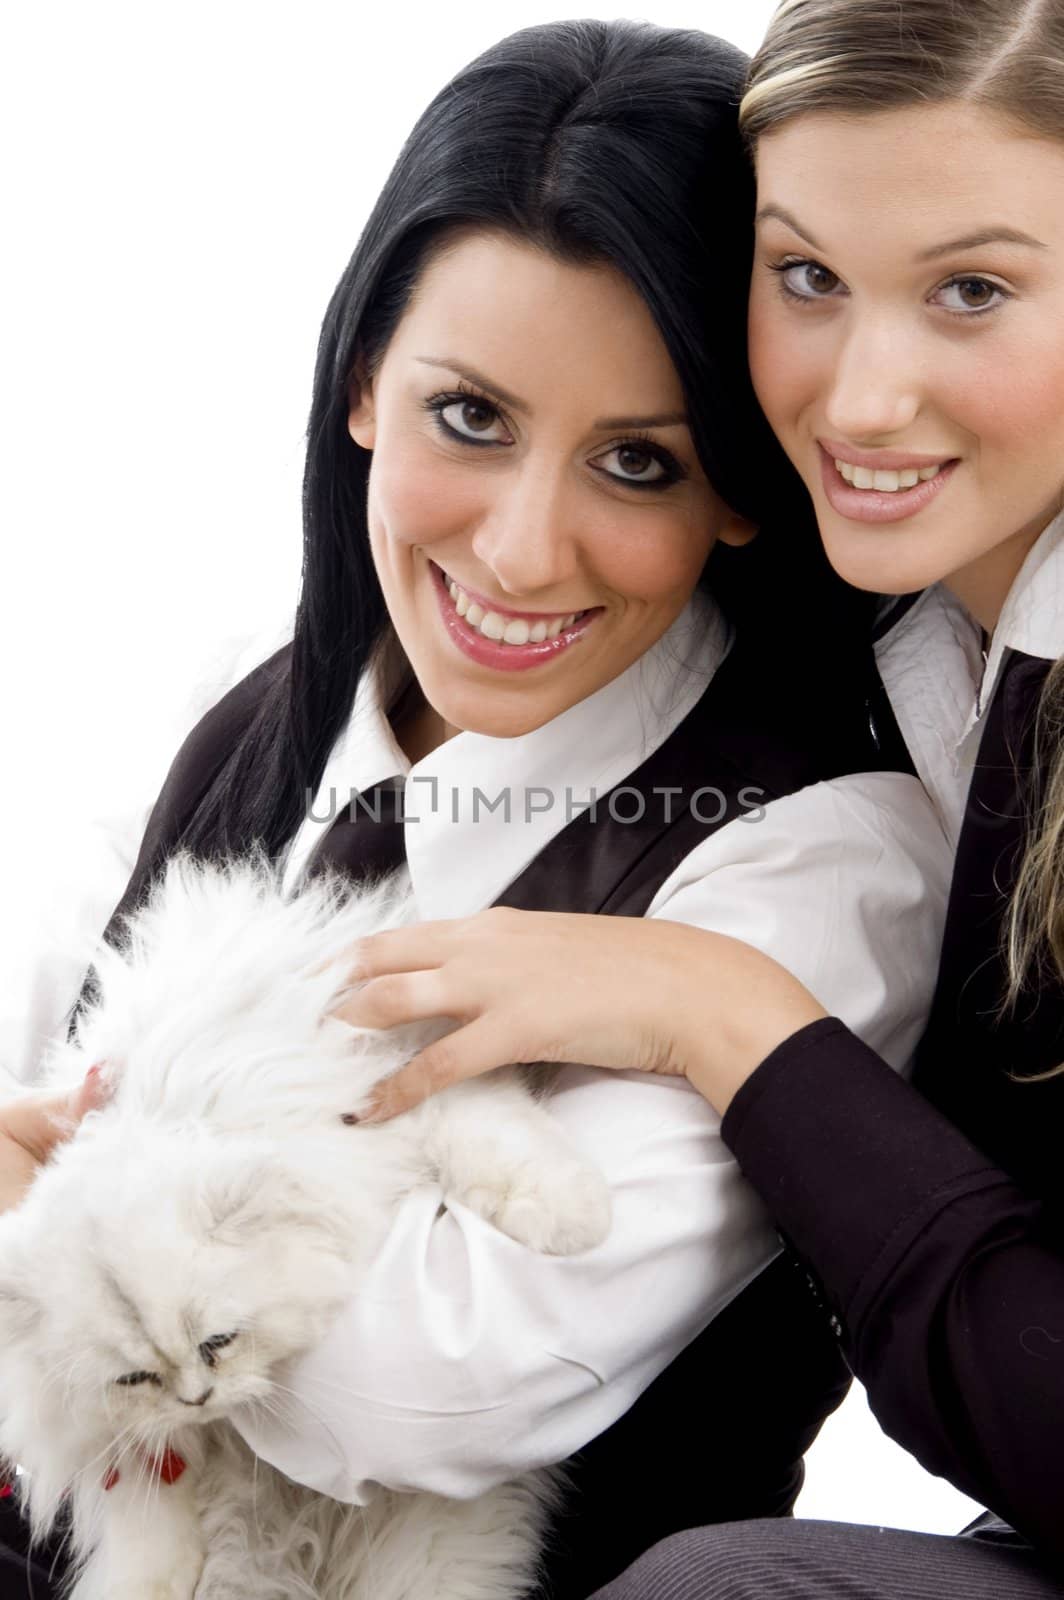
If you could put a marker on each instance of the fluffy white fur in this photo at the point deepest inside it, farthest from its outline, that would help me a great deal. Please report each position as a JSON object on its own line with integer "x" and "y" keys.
{"x": 219, "y": 1193}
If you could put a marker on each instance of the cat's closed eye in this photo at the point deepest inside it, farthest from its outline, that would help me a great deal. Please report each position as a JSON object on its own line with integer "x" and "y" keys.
{"x": 129, "y": 1379}
{"x": 216, "y": 1342}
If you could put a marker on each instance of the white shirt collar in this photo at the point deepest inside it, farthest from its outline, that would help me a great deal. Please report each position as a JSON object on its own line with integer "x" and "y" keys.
{"x": 461, "y": 851}
{"x": 1032, "y": 618}
{"x": 932, "y": 667}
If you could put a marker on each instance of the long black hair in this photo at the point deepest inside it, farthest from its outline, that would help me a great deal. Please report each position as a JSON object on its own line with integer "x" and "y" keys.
{"x": 612, "y": 143}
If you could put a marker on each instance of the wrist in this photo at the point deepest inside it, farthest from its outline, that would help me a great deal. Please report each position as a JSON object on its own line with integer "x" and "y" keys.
{"x": 747, "y": 1015}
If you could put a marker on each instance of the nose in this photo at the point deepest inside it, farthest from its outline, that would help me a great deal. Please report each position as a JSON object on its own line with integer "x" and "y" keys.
{"x": 529, "y": 535}
{"x": 877, "y": 385}
{"x": 200, "y": 1400}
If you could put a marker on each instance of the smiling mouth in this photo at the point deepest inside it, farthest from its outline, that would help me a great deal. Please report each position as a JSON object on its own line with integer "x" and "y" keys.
{"x": 508, "y": 628}
{"x": 871, "y": 494}
{"x": 886, "y": 481}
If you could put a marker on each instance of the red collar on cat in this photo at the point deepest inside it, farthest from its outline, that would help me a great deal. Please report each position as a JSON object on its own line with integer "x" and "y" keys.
{"x": 167, "y": 1467}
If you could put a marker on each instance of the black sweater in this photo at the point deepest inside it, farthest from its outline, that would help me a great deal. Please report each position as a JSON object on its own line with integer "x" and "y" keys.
{"x": 931, "y": 1212}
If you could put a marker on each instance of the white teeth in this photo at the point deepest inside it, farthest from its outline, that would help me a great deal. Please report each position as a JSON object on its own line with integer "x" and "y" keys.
{"x": 885, "y": 482}
{"x": 505, "y": 630}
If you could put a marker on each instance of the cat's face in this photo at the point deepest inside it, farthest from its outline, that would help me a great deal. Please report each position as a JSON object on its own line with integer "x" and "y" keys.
{"x": 177, "y": 1291}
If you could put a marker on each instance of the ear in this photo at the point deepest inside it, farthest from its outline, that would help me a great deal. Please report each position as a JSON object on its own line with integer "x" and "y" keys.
{"x": 734, "y": 529}
{"x": 361, "y": 409}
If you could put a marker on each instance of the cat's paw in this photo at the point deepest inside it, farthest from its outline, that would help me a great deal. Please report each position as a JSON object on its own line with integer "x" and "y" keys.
{"x": 559, "y": 1212}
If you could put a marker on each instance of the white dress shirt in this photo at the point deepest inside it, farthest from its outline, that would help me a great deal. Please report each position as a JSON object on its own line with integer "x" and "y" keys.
{"x": 465, "y": 1359}
{"x": 941, "y": 683}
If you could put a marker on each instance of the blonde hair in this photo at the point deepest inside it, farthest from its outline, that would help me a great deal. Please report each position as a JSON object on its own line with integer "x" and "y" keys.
{"x": 1035, "y": 931}
{"x": 872, "y": 55}
{"x": 1006, "y": 57}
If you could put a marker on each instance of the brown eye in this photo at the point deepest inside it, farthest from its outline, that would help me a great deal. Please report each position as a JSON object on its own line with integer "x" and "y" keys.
{"x": 807, "y": 280}
{"x": 971, "y": 295}
{"x": 467, "y": 416}
{"x": 639, "y": 466}
{"x": 477, "y": 417}
{"x": 634, "y": 462}
{"x": 976, "y": 292}
{"x": 819, "y": 279}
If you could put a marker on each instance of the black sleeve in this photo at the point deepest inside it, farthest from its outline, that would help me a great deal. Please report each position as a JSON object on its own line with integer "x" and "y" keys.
{"x": 946, "y": 1278}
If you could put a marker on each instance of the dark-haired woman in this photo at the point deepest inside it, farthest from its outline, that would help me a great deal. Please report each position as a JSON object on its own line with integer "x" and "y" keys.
{"x": 907, "y": 325}
{"x": 531, "y": 443}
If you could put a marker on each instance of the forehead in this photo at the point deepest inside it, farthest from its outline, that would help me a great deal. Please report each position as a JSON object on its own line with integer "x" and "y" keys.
{"x": 534, "y": 322}
{"x": 907, "y": 179}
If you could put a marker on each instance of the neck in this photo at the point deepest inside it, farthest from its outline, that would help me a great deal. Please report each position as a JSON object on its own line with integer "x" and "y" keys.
{"x": 418, "y": 727}
{"x": 984, "y": 586}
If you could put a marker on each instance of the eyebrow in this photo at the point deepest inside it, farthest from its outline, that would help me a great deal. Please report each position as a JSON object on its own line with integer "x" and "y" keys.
{"x": 974, "y": 241}
{"x": 767, "y": 213}
{"x": 664, "y": 419}
{"x": 968, "y": 241}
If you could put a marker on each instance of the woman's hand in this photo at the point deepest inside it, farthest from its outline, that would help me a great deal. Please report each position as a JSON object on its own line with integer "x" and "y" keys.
{"x": 32, "y": 1126}
{"x": 623, "y": 992}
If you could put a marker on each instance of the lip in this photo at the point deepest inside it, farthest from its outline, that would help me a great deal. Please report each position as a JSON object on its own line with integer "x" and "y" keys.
{"x": 883, "y": 460}
{"x": 507, "y": 611}
{"x": 872, "y": 505}
{"x": 505, "y": 657}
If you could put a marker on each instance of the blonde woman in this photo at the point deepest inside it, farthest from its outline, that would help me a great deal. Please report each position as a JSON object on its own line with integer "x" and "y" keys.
{"x": 908, "y": 348}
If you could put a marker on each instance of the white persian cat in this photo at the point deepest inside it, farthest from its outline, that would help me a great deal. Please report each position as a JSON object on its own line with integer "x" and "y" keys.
{"x": 205, "y": 1225}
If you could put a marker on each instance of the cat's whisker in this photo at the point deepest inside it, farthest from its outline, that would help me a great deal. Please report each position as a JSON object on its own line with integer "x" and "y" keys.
{"x": 63, "y": 1370}
{"x": 113, "y": 1452}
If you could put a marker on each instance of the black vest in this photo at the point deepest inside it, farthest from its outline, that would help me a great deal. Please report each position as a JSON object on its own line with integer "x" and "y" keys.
{"x": 975, "y": 1060}
{"x": 720, "y": 1435}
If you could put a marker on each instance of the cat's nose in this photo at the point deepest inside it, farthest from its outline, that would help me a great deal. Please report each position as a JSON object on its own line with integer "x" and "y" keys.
{"x": 200, "y": 1400}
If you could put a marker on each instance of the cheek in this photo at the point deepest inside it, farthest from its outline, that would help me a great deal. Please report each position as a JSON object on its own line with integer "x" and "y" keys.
{"x": 658, "y": 558}
{"x": 781, "y": 364}
{"x": 1017, "y": 406}
{"x": 417, "y": 499}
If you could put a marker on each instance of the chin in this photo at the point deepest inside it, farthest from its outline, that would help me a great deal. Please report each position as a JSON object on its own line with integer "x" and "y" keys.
{"x": 502, "y": 722}
{"x": 880, "y": 569}
{"x": 497, "y": 710}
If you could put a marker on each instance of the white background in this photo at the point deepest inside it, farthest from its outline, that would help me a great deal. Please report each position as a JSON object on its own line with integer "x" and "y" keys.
{"x": 182, "y": 188}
